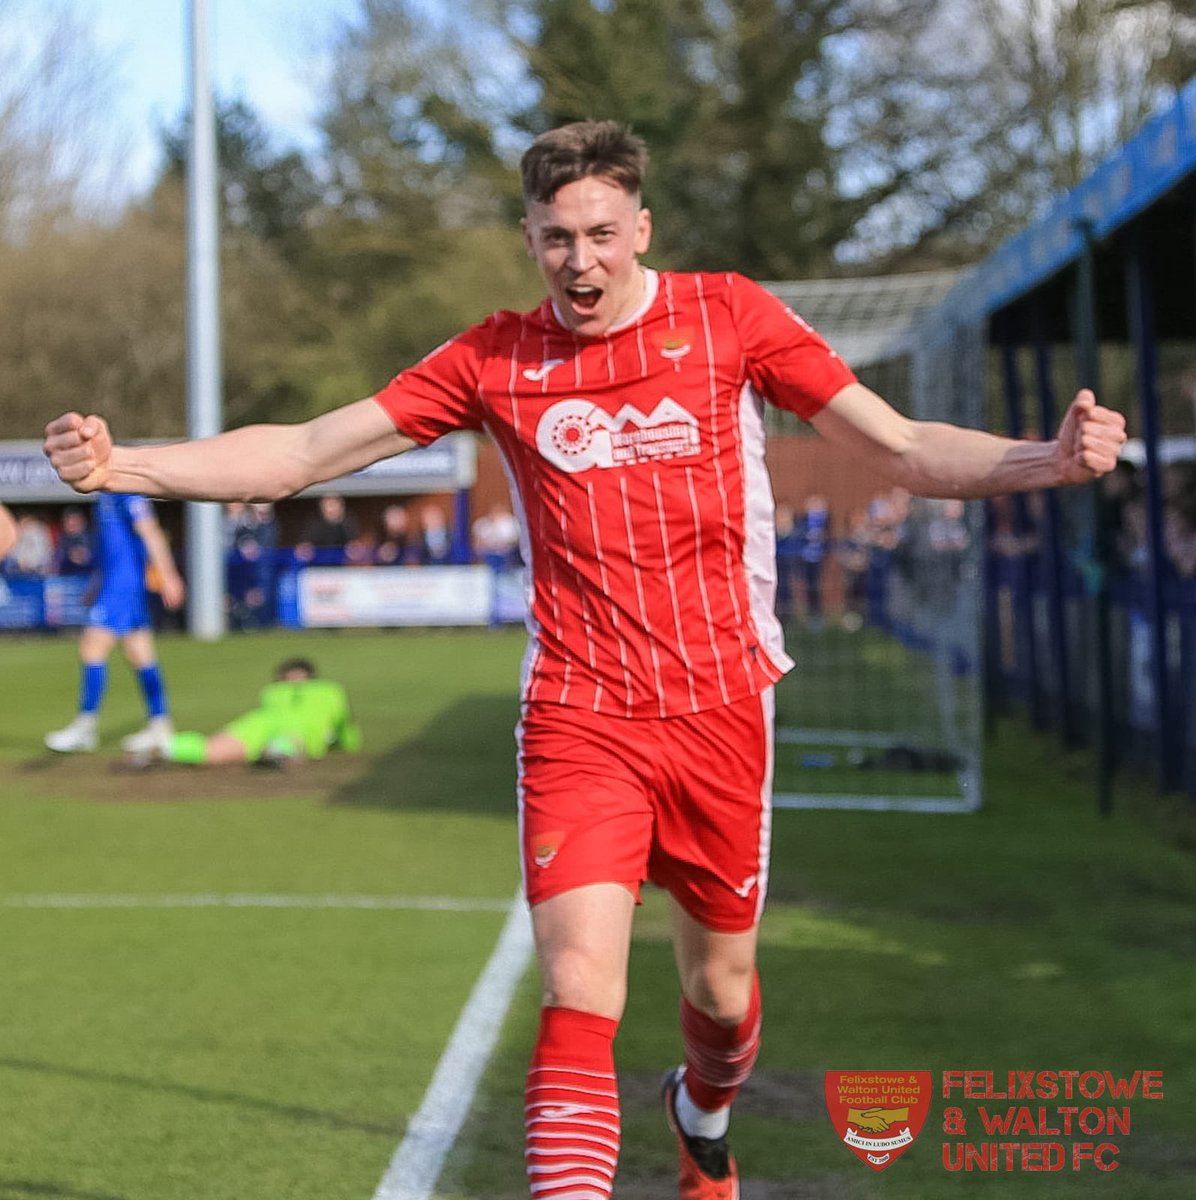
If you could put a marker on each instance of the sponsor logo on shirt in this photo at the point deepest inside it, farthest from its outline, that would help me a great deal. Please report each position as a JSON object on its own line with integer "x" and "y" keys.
{"x": 576, "y": 435}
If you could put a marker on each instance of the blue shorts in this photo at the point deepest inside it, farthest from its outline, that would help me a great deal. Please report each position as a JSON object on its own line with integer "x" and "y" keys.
{"x": 121, "y": 607}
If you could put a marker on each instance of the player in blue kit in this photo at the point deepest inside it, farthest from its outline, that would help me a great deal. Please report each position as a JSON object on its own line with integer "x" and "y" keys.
{"x": 129, "y": 541}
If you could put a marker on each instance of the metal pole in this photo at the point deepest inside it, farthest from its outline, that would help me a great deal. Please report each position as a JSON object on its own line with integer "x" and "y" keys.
{"x": 1088, "y": 367}
{"x": 1026, "y": 638}
{"x": 1052, "y": 554}
{"x": 1142, "y": 334}
{"x": 205, "y": 549}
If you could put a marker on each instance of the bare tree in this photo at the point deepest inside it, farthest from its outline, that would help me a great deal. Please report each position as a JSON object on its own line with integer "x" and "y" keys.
{"x": 992, "y": 109}
{"x": 55, "y": 92}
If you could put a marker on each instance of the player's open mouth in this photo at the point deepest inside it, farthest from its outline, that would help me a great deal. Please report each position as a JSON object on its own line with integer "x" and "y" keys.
{"x": 584, "y": 297}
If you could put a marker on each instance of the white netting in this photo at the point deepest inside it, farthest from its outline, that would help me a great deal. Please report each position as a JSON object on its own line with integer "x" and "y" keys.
{"x": 882, "y": 608}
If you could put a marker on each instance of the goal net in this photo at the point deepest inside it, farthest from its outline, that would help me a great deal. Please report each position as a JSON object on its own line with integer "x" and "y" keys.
{"x": 880, "y": 592}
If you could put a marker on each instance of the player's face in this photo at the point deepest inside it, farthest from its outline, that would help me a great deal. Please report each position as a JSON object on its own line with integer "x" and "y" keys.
{"x": 587, "y": 241}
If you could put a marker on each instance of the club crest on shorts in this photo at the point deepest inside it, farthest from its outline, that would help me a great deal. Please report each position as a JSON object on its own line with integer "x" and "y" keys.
{"x": 546, "y": 846}
{"x": 878, "y": 1114}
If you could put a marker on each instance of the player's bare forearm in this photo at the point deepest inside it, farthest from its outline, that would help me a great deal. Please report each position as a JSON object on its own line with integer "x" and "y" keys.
{"x": 258, "y": 462}
{"x": 950, "y": 461}
{"x": 932, "y": 458}
{"x": 8, "y": 531}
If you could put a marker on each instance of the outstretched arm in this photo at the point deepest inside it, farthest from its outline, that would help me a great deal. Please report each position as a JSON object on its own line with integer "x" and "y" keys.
{"x": 8, "y": 531}
{"x": 258, "y": 462}
{"x": 930, "y": 458}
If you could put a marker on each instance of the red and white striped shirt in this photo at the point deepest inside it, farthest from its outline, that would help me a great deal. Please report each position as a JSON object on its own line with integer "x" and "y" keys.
{"x": 636, "y": 461}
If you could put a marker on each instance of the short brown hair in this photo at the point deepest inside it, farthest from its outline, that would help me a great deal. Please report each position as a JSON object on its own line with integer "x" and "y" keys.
{"x": 571, "y": 152}
{"x": 295, "y": 666}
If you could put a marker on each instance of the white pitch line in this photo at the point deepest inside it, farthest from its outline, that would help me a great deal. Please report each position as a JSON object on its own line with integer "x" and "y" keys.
{"x": 418, "y": 1161}
{"x": 251, "y": 900}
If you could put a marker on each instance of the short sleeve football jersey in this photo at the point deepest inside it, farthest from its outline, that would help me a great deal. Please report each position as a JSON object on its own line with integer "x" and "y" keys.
{"x": 636, "y": 462}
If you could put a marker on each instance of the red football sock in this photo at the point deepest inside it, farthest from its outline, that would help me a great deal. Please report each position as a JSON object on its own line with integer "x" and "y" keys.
{"x": 572, "y": 1107}
{"x": 719, "y": 1058}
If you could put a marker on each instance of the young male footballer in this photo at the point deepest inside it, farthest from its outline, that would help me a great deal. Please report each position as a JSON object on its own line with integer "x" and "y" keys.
{"x": 629, "y": 409}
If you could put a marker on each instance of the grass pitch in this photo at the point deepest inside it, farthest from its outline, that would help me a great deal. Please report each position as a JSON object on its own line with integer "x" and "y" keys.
{"x": 207, "y": 1053}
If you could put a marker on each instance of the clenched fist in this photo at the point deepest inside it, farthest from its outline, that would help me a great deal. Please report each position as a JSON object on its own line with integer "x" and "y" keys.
{"x": 80, "y": 450}
{"x": 1090, "y": 439}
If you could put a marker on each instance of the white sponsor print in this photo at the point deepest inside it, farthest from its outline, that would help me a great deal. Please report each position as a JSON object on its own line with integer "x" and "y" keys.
{"x": 576, "y": 435}
{"x": 745, "y": 889}
{"x": 537, "y": 374}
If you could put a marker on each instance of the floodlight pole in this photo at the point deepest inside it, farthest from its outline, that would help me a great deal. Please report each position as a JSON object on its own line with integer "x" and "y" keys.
{"x": 205, "y": 549}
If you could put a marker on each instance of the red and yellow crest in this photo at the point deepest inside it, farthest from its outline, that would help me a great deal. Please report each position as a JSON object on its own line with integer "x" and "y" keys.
{"x": 674, "y": 343}
{"x": 878, "y": 1114}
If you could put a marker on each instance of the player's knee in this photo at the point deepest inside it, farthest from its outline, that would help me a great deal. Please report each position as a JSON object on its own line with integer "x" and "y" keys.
{"x": 576, "y": 979}
{"x": 721, "y": 989}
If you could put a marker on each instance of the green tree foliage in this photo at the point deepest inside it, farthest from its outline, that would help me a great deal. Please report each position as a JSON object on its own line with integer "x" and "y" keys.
{"x": 414, "y": 238}
{"x": 270, "y": 195}
{"x": 733, "y": 98}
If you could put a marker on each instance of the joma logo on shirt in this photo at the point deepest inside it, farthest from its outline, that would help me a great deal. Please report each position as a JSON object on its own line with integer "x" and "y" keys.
{"x": 576, "y": 435}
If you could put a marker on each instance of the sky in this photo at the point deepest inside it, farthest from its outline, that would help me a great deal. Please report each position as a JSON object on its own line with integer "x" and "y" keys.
{"x": 264, "y": 51}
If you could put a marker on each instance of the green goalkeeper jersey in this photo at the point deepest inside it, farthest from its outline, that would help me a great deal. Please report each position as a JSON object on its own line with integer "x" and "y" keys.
{"x": 315, "y": 711}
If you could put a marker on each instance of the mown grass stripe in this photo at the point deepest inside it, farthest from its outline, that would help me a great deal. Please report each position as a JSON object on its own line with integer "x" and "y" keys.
{"x": 254, "y": 900}
{"x": 418, "y": 1161}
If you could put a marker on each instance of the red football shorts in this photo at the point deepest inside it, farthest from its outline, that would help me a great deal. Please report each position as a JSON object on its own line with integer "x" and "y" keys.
{"x": 682, "y": 801}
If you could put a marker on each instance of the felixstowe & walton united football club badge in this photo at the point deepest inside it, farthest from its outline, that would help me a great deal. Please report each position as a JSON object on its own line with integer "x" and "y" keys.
{"x": 878, "y": 1114}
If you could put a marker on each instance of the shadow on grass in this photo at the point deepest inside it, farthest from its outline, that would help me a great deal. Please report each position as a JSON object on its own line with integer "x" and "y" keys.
{"x": 24, "y": 1189}
{"x": 461, "y": 761}
{"x": 290, "y": 1112}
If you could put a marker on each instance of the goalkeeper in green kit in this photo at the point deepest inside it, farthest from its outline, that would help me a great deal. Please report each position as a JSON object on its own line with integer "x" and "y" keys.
{"x": 298, "y": 716}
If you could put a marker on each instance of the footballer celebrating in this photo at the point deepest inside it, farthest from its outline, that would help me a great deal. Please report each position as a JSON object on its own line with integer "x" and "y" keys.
{"x": 629, "y": 410}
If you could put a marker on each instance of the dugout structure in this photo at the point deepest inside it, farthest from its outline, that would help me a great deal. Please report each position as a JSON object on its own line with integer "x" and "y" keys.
{"x": 882, "y": 606}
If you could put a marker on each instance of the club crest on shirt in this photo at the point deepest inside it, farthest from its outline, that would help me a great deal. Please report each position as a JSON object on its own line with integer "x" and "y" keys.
{"x": 674, "y": 343}
{"x": 576, "y": 435}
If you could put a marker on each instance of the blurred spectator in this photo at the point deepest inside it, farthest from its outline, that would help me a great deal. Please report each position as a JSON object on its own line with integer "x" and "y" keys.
{"x": 852, "y": 552}
{"x": 1179, "y": 519}
{"x": 435, "y": 537}
{"x": 33, "y": 553}
{"x": 788, "y": 559}
{"x": 251, "y": 535}
{"x": 332, "y": 528}
{"x": 1179, "y": 536}
{"x": 496, "y": 537}
{"x": 946, "y": 528}
{"x": 888, "y": 516}
{"x": 75, "y": 552}
{"x": 813, "y": 529}
{"x": 1005, "y": 539}
{"x": 360, "y": 551}
{"x": 396, "y": 546}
